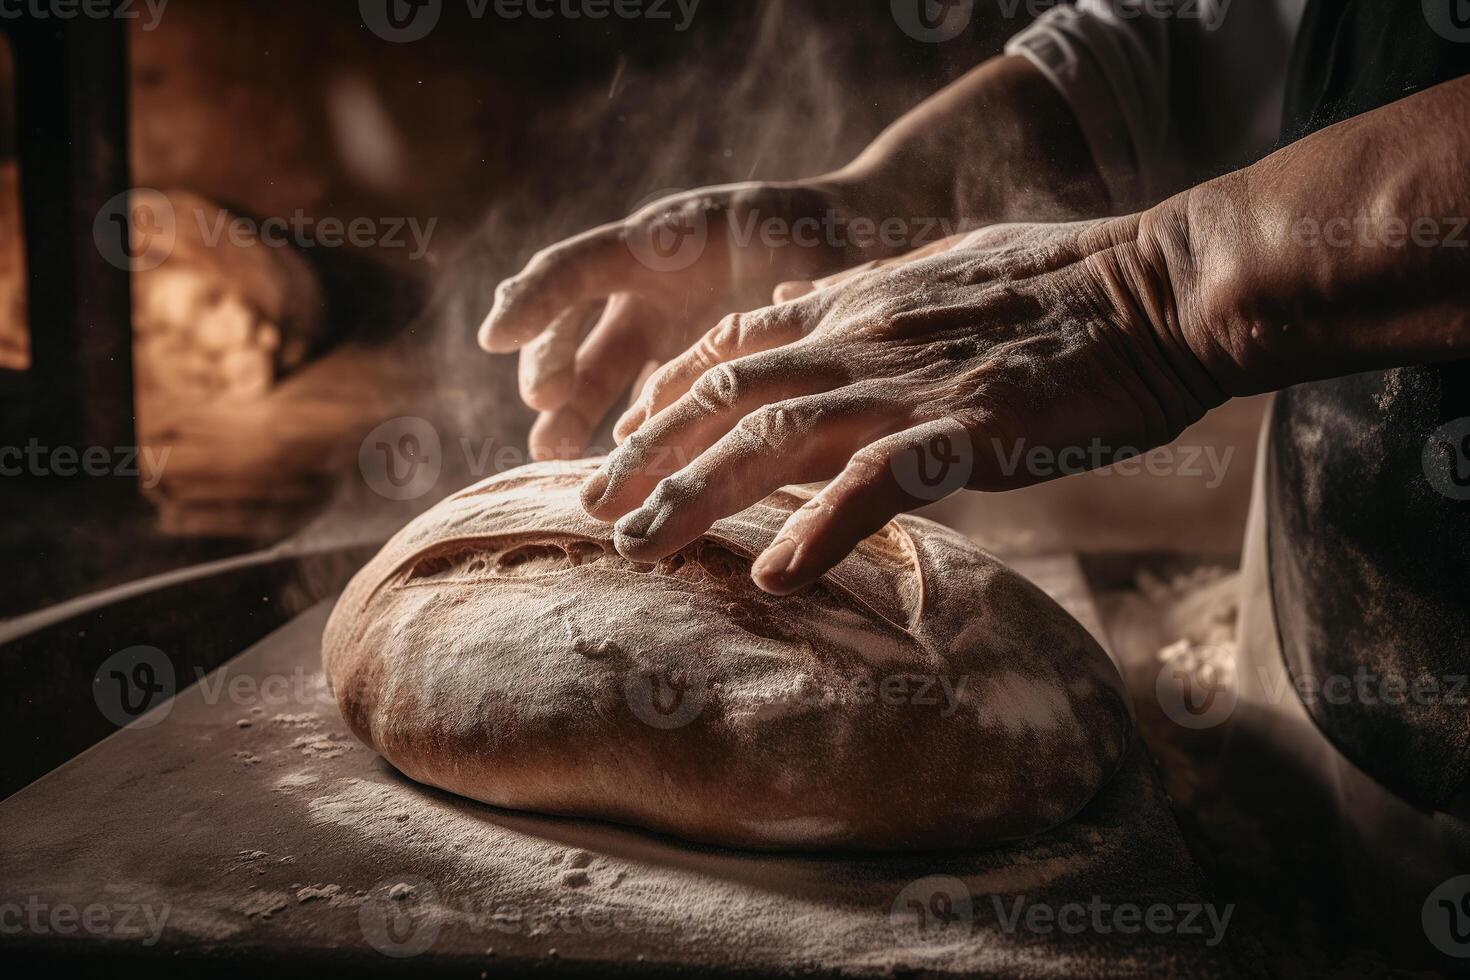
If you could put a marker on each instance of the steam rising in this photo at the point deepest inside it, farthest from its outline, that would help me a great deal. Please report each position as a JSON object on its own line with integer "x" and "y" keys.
{"x": 800, "y": 100}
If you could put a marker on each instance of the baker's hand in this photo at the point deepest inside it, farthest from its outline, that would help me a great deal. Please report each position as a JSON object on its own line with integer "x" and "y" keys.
{"x": 593, "y": 313}
{"x": 973, "y": 353}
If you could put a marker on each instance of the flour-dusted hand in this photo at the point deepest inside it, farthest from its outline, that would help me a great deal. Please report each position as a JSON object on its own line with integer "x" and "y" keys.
{"x": 592, "y": 313}
{"x": 970, "y": 355}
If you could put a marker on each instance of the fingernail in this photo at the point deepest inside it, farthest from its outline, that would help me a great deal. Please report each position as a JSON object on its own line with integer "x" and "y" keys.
{"x": 776, "y": 561}
{"x": 594, "y": 490}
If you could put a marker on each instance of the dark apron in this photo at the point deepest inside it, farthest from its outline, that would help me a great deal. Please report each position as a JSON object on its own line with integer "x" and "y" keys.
{"x": 1369, "y": 560}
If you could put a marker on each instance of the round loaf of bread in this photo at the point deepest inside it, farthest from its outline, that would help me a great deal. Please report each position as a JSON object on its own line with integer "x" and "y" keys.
{"x": 921, "y": 695}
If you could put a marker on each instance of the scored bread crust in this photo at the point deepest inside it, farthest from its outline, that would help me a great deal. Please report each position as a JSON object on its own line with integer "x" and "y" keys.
{"x": 921, "y": 695}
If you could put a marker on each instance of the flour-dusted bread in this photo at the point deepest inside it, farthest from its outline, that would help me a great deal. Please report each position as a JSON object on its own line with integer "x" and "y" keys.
{"x": 922, "y": 695}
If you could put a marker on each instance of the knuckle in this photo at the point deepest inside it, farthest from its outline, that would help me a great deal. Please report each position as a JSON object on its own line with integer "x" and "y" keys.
{"x": 673, "y": 489}
{"x": 726, "y": 334}
{"x": 868, "y": 464}
{"x": 635, "y": 447}
{"x": 773, "y": 427}
{"x": 717, "y": 388}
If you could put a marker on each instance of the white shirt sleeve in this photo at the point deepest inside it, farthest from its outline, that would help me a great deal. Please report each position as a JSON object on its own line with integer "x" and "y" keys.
{"x": 1168, "y": 92}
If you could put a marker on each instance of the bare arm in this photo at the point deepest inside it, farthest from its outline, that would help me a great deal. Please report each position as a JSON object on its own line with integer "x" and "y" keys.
{"x": 999, "y": 144}
{"x": 1118, "y": 332}
{"x": 1347, "y": 251}
{"x": 589, "y": 314}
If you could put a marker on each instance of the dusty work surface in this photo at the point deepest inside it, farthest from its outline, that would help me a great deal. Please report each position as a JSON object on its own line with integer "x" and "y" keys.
{"x": 247, "y": 828}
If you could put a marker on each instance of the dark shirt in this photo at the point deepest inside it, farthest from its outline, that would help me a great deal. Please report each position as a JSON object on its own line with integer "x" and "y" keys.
{"x": 1369, "y": 476}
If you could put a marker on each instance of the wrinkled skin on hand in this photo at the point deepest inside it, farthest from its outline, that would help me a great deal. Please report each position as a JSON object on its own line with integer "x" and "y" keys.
{"x": 1020, "y": 335}
{"x": 592, "y": 314}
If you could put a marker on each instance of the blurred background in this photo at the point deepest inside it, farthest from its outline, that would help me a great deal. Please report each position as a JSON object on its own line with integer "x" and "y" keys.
{"x": 319, "y": 216}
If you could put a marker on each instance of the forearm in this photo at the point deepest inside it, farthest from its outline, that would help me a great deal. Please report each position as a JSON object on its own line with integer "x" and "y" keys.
{"x": 999, "y": 144}
{"x": 1347, "y": 251}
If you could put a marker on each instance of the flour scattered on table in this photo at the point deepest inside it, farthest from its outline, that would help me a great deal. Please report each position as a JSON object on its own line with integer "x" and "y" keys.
{"x": 316, "y": 892}
{"x": 297, "y": 721}
{"x": 264, "y": 905}
{"x": 327, "y": 745}
{"x": 300, "y": 779}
